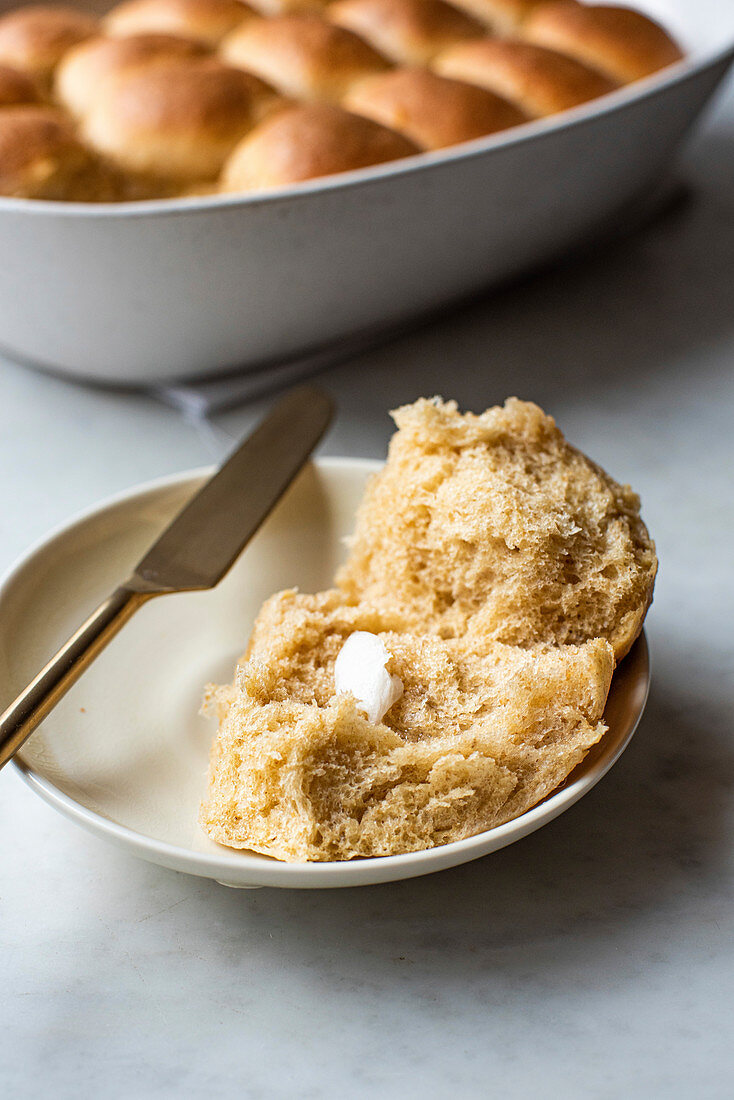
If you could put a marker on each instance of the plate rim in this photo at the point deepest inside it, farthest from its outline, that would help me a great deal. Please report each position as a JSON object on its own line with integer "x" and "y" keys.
{"x": 252, "y": 869}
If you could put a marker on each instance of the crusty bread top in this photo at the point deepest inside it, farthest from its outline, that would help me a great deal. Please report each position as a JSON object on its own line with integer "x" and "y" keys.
{"x": 98, "y": 61}
{"x": 206, "y": 21}
{"x": 302, "y": 55}
{"x": 494, "y": 523}
{"x": 499, "y": 16}
{"x": 41, "y": 157}
{"x": 431, "y": 110}
{"x": 177, "y": 121}
{"x": 306, "y": 142}
{"x": 409, "y": 32}
{"x": 540, "y": 81}
{"x": 33, "y": 39}
{"x": 16, "y": 88}
{"x": 436, "y": 72}
{"x": 624, "y": 44}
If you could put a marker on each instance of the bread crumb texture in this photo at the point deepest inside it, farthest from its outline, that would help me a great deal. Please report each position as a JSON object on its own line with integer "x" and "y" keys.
{"x": 504, "y": 572}
{"x": 495, "y": 524}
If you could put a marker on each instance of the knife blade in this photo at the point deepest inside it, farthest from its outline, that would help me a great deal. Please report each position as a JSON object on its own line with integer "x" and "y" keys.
{"x": 194, "y": 552}
{"x": 200, "y": 545}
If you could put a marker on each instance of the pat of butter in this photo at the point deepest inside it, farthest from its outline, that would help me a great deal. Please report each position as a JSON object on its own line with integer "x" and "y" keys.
{"x": 360, "y": 669}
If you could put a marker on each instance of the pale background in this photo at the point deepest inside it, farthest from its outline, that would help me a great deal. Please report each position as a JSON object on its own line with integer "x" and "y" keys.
{"x": 593, "y": 959}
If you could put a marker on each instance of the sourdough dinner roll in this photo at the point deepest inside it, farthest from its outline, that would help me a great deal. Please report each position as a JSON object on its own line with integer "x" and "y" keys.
{"x": 431, "y": 110}
{"x": 539, "y": 81}
{"x": 177, "y": 121}
{"x": 622, "y": 43}
{"x": 16, "y": 88}
{"x": 302, "y": 143}
{"x": 87, "y": 69}
{"x": 287, "y": 7}
{"x": 495, "y": 525}
{"x": 206, "y": 21}
{"x": 35, "y": 38}
{"x": 500, "y": 16}
{"x": 479, "y": 733}
{"x": 410, "y": 32}
{"x": 302, "y": 55}
{"x": 41, "y": 158}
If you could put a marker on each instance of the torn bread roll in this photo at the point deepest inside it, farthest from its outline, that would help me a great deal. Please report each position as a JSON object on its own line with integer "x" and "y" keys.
{"x": 494, "y": 524}
{"x": 479, "y": 733}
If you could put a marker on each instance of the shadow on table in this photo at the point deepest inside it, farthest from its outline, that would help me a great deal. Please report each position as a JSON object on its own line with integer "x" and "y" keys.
{"x": 609, "y": 320}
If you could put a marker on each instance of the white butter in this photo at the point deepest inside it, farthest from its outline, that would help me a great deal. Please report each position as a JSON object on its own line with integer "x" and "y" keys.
{"x": 360, "y": 669}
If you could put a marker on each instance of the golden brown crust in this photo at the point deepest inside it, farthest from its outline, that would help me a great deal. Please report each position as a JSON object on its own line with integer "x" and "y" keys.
{"x": 35, "y": 38}
{"x": 431, "y": 110}
{"x": 620, "y": 42}
{"x": 88, "y": 68}
{"x": 539, "y": 81}
{"x": 410, "y": 32}
{"x": 453, "y": 83}
{"x": 41, "y": 158}
{"x": 500, "y": 16}
{"x": 179, "y": 121}
{"x": 206, "y": 21}
{"x": 302, "y": 55}
{"x": 16, "y": 88}
{"x": 288, "y": 7}
{"x": 306, "y": 142}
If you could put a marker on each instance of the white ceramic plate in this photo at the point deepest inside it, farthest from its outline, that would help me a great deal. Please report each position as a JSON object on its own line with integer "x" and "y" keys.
{"x": 125, "y": 753}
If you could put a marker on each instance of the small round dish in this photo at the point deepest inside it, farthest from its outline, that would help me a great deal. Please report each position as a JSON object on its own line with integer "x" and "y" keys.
{"x": 125, "y": 753}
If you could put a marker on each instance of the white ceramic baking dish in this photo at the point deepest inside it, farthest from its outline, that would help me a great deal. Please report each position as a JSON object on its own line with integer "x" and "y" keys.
{"x": 164, "y": 290}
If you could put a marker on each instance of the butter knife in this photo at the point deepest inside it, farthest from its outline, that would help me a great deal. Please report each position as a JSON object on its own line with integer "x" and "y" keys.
{"x": 193, "y": 553}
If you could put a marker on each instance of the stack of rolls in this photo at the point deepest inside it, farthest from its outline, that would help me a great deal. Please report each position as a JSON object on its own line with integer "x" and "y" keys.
{"x": 166, "y": 98}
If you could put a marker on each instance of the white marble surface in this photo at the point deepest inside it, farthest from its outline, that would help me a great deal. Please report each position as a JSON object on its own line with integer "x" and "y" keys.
{"x": 595, "y": 958}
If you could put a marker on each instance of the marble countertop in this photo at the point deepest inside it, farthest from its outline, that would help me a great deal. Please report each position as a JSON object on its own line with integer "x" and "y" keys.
{"x": 593, "y": 959}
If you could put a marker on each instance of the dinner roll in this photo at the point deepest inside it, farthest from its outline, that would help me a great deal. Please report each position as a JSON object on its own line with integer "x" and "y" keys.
{"x": 286, "y": 7}
{"x": 494, "y": 525}
{"x": 41, "y": 158}
{"x": 304, "y": 142}
{"x": 539, "y": 81}
{"x": 177, "y": 121}
{"x": 410, "y": 32}
{"x": 431, "y": 110}
{"x": 622, "y": 43}
{"x": 16, "y": 88}
{"x": 302, "y": 55}
{"x": 501, "y": 16}
{"x": 480, "y": 733}
{"x": 206, "y": 21}
{"x": 34, "y": 39}
{"x": 92, "y": 65}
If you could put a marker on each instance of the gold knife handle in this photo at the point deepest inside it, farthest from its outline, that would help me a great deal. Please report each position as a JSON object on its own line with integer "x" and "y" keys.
{"x": 18, "y": 722}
